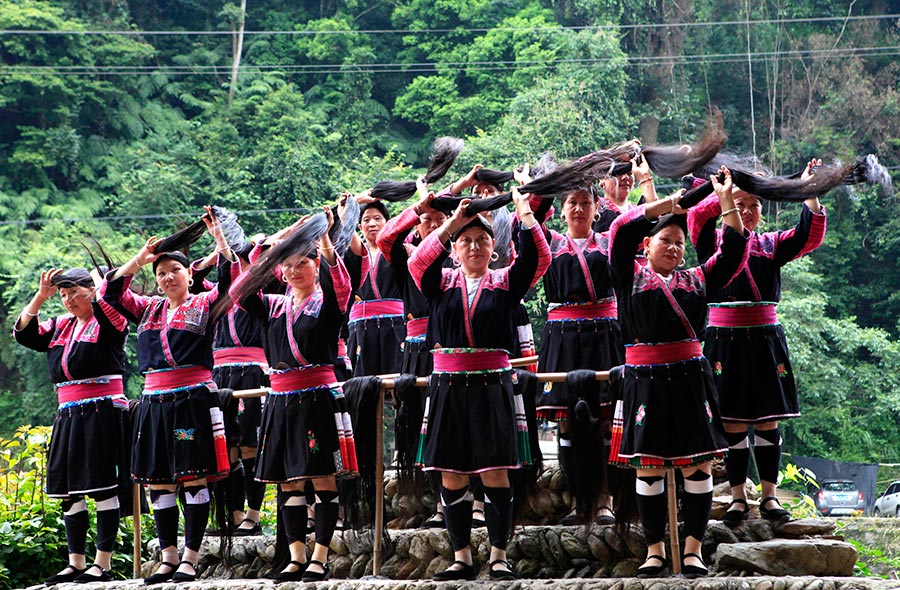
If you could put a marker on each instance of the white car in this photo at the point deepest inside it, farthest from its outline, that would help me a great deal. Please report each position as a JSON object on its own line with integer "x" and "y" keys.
{"x": 889, "y": 502}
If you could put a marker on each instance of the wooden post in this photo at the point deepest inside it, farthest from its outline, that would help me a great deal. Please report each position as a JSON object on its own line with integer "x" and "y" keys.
{"x": 136, "y": 522}
{"x": 379, "y": 482}
{"x": 675, "y": 546}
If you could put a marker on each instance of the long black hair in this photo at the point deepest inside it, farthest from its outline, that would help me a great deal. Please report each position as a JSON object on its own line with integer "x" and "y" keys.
{"x": 302, "y": 241}
{"x": 342, "y": 231}
{"x": 444, "y": 151}
{"x": 667, "y": 161}
{"x": 795, "y": 188}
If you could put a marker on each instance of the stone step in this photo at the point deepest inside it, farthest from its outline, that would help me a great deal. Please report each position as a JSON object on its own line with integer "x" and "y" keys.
{"x": 709, "y": 583}
{"x": 410, "y": 509}
{"x": 541, "y": 552}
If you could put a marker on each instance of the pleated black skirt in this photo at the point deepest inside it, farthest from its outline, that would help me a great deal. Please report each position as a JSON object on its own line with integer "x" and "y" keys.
{"x": 89, "y": 449}
{"x": 753, "y": 373}
{"x": 567, "y": 345}
{"x": 173, "y": 438}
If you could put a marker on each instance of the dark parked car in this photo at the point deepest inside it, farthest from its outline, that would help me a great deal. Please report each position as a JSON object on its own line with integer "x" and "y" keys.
{"x": 840, "y": 497}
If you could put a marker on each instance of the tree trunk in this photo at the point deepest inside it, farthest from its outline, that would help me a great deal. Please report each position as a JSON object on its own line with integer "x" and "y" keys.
{"x": 648, "y": 131}
{"x": 237, "y": 50}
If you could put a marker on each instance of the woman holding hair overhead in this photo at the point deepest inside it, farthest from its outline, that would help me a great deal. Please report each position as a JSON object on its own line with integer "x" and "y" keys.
{"x": 173, "y": 447}
{"x": 669, "y": 407}
{"x": 474, "y": 423}
{"x": 745, "y": 343}
{"x": 377, "y": 323}
{"x": 306, "y": 432}
{"x": 88, "y": 451}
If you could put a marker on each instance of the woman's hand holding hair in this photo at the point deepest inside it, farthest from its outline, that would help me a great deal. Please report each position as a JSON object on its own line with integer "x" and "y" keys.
{"x": 812, "y": 202}
{"x": 522, "y": 174}
{"x": 46, "y": 288}
{"x": 466, "y": 181}
{"x": 365, "y": 197}
{"x": 425, "y": 196}
{"x": 731, "y": 216}
{"x": 641, "y": 169}
{"x": 458, "y": 220}
{"x": 146, "y": 255}
{"x": 215, "y": 230}
{"x": 326, "y": 248}
{"x": 523, "y": 208}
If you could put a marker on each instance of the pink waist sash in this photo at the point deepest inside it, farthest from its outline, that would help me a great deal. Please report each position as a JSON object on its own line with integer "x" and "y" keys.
{"x": 363, "y": 310}
{"x": 177, "y": 378}
{"x": 83, "y": 389}
{"x": 302, "y": 378}
{"x": 470, "y": 360}
{"x": 342, "y": 347}
{"x": 662, "y": 354}
{"x": 579, "y": 311}
{"x": 238, "y": 355}
{"x": 742, "y": 316}
{"x": 417, "y": 327}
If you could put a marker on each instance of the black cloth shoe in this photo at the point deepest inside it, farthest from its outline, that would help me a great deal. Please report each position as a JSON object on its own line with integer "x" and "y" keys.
{"x": 179, "y": 577}
{"x": 435, "y": 521}
{"x": 254, "y": 530}
{"x": 694, "y": 571}
{"x": 465, "y": 572}
{"x": 309, "y": 576}
{"x": 778, "y": 514}
{"x": 478, "y": 520}
{"x": 161, "y": 577}
{"x": 67, "y": 575}
{"x": 294, "y": 576}
{"x": 86, "y": 578}
{"x": 570, "y": 519}
{"x": 734, "y": 515}
{"x": 605, "y": 516}
{"x": 503, "y": 574}
{"x": 654, "y": 571}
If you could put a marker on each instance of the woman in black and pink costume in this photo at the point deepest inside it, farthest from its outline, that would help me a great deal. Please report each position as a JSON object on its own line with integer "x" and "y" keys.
{"x": 615, "y": 195}
{"x": 173, "y": 443}
{"x": 745, "y": 342}
{"x": 306, "y": 432}
{"x": 240, "y": 363}
{"x": 669, "y": 408}
{"x": 88, "y": 448}
{"x": 377, "y": 322}
{"x": 397, "y": 240}
{"x": 582, "y": 329}
{"x": 474, "y": 422}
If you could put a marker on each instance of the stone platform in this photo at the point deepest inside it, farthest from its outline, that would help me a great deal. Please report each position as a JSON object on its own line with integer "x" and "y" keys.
{"x": 802, "y": 547}
{"x": 711, "y": 583}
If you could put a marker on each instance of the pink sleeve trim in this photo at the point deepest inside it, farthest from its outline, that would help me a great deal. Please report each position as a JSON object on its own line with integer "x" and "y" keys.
{"x": 425, "y": 255}
{"x": 700, "y": 214}
{"x": 394, "y": 227}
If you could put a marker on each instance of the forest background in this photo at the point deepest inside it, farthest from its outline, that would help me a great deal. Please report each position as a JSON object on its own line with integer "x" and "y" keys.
{"x": 120, "y": 119}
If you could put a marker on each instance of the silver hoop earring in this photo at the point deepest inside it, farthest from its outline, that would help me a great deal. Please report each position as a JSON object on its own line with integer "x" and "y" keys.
{"x": 495, "y": 257}
{"x": 681, "y": 264}
{"x": 160, "y": 290}
{"x": 283, "y": 277}
{"x": 190, "y": 282}
{"x": 596, "y": 217}
{"x": 456, "y": 262}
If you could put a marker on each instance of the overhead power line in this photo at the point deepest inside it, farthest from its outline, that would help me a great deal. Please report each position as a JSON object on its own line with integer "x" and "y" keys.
{"x": 157, "y": 216}
{"x": 635, "y": 26}
{"x": 434, "y": 67}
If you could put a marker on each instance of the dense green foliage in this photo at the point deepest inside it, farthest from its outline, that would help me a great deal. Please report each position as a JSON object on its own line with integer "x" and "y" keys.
{"x": 97, "y": 130}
